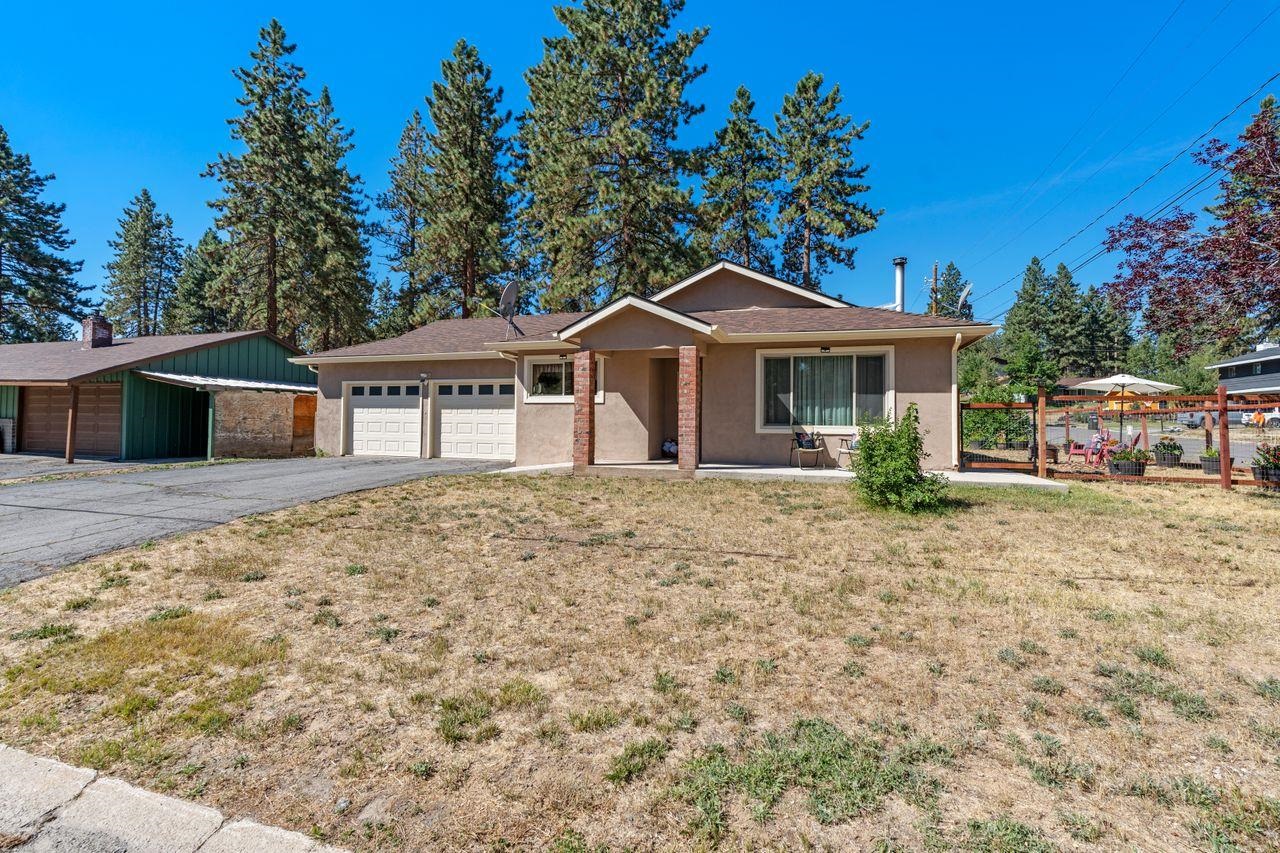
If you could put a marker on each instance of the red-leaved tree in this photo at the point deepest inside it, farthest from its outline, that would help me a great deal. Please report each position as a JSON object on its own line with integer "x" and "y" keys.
{"x": 1218, "y": 278}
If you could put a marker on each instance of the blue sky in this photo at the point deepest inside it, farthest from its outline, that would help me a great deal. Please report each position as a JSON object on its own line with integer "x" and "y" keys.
{"x": 969, "y": 105}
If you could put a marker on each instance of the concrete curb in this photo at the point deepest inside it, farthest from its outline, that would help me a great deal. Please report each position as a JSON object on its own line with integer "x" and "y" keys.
{"x": 46, "y": 805}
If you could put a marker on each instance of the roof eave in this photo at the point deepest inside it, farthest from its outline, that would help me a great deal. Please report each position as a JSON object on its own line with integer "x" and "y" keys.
{"x": 859, "y": 334}
{"x": 764, "y": 278}
{"x": 377, "y": 357}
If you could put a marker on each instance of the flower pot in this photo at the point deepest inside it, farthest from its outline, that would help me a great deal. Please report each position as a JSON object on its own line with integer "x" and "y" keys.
{"x": 1209, "y": 464}
{"x": 1127, "y": 467}
{"x": 1168, "y": 460}
{"x": 1266, "y": 475}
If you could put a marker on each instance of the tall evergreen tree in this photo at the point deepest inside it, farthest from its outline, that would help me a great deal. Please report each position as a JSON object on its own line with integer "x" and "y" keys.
{"x": 332, "y": 266}
{"x": 740, "y": 172}
{"x": 1027, "y": 313}
{"x": 193, "y": 308}
{"x": 607, "y": 212}
{"x": 1108, "y": 334}
{"x": 951, "y": 285}
{"x": 142, "y": 274}
{"x": 37, "y": 284}
{"x": 819, "y": 212}
{"x": 404, "y": 204}
{"x": 265, "y": 207}
{"x": 1064, "y": 323}
{"x": 464, "y": 244}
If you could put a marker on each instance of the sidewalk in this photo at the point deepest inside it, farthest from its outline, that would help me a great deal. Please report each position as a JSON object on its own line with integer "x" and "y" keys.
{"x": 50, "y": 806}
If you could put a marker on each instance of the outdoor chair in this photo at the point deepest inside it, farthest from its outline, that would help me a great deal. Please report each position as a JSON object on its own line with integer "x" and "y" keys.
{"x": 1076, "y": 448}
{"x": 848, "y": 444}
{"x": 809, "y": 443}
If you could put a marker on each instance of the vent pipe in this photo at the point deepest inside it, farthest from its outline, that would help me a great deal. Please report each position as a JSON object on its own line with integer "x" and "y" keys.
{"x": 899, "y": 284}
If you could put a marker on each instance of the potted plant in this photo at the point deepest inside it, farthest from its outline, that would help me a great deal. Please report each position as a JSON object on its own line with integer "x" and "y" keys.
{"x": 1168, "y": 452}
{"x": 1266, "y": 464}
{"x": 1210, "y": 461}
{"x": 1129, "y": 463}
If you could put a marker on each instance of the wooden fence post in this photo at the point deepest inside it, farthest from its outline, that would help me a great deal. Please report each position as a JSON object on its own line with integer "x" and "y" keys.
{"x": 1224, "y": 439}
{"x": 1208, "y": 425}
{"x": 1042, "y": 461}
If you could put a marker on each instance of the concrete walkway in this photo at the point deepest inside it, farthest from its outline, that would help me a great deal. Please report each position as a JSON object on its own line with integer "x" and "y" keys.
{"x": 44, "y": 526}
{"x": 724, "y": 471}
{"x": 46, "y": 805}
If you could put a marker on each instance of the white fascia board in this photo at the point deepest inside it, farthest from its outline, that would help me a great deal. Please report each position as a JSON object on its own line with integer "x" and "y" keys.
{"x": 820, "y": 298}
{"x": 426, "y": 356}
{"x": 576, "y": 328}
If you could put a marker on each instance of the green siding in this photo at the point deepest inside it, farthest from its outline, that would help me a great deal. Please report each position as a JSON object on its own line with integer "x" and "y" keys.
{"x": 162, "y": 420}
{"x": 251, "y": 358}
{"x": 8, "y": 401}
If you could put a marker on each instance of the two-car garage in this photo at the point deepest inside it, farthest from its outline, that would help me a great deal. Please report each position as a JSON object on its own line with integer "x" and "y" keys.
{"x": 473, "y": 419}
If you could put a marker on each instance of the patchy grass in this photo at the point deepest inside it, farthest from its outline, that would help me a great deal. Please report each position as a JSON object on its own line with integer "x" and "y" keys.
{"x": 554, "y": 663}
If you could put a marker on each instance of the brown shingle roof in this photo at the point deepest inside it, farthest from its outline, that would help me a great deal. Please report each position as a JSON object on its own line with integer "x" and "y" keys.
{"x": 457, "y": 335}
{"x": 65, "y": 361}
{"x": 745, "y": 321}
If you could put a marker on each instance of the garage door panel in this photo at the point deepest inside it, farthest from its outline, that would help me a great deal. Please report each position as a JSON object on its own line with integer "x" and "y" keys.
{"x": 478, "y": 424}
{"x": 384, "y": 424}
{"x": 44, "y": 420}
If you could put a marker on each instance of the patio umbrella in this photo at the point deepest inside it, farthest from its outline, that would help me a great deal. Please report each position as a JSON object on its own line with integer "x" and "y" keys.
{"x": 1119, "y": 384}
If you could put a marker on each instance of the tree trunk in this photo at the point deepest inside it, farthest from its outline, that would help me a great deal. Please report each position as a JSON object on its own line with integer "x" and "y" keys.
{"x": 273, "y": 315}
{"x": 468, "y": 283}
{"x": 808, "y": 251}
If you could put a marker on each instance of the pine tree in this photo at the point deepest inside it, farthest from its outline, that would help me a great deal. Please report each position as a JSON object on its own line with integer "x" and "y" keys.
{"x": 740, "y": 172}
{"x": 332, "y": 267}
{"x": 1108, "y": 335}
{"x": 265, "y": 208}
{"x": 1027, "y": 313}
{"x": 141, "y": 275}
{"x": 607, "y": 211}
{"x": 1064, "y": 323}
{"x": 463, "y": 245}
{"x": 37, "y": 284}
{"x": 818, "y": 208}
{"x": 192, "y": 309}
{"x": 950, "y": 286}
{"x": 404, "y": 203}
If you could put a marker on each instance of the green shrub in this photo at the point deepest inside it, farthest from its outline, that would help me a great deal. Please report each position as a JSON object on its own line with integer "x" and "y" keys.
{"x": 887, "y": 463}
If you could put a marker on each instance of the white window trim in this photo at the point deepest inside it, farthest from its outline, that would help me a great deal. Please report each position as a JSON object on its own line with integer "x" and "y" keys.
{"x": 890, "y": 392}
{"x": 344, "y": 426}
{"x": 531, "y": 361}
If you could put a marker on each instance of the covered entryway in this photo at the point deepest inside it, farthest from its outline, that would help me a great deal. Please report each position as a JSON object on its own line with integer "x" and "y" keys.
{"x": 476, "y": 420}
{"x": 386, "y": 420}
{"x": 44, "y": 420}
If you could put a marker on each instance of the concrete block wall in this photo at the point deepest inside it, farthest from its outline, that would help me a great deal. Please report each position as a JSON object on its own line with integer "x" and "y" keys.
{"x": 253, "y": 424}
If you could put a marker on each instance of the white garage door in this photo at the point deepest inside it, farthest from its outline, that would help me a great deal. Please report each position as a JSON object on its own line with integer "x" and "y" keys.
{"x": 476, "y": 420}
{"x": 386, "y": 420}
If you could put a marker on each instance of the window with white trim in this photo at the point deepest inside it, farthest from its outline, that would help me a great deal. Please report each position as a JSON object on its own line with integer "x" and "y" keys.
{"x": 813, "y": 389}
{"x": 550, "y": 380}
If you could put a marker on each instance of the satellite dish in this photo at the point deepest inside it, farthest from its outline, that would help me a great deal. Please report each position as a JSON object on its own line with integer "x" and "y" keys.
{"x": 509, "y": 301}
{"x": 964, "y": 294}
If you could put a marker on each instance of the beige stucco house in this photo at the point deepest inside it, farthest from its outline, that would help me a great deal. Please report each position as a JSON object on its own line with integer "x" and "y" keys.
{"x": 727, "y": 363}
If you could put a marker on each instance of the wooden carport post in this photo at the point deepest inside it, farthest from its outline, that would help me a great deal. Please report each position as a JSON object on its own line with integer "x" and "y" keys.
{"x": 209, "y": 440}
{"x": 1224, "y": 440}
{"x": 73, "y": 410}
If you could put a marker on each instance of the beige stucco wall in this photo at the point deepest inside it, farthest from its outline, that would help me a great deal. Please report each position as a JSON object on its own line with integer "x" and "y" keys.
{"x": 634, "y": 328}
{"x": 922, "y": 375}
{"x": 727, "y": 289}
{"x": 330, "y": 409}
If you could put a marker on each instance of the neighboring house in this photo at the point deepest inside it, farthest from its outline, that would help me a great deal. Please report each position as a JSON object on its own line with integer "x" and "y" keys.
{"x": 168, "y": 396}
{"x": 727, "y": 363}
{"x": 1257, "y": 371}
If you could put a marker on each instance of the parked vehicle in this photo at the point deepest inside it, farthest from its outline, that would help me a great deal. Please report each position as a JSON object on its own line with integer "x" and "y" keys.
{"x": 1271, "y": 416}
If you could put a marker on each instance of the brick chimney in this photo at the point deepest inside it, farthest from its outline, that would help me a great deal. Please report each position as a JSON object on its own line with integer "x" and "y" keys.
{"x": 97, "y": 332}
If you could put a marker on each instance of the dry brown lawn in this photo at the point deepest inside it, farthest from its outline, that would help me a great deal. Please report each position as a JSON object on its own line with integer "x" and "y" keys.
{"x": 581, "y": 664}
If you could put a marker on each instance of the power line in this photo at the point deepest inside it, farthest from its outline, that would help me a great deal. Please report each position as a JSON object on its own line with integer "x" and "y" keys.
{"x": 1134, "y": 139}
{"x": 1089, "y": 117}
{"x": 1148, "y": 179}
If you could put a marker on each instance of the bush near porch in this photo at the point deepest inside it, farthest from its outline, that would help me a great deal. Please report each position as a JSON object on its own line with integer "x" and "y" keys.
{"x": 561, "y": 663}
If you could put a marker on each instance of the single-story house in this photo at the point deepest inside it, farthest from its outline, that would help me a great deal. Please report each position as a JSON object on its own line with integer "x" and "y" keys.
{"x": 167, "y": 396}
{"x": 724, "y": 365}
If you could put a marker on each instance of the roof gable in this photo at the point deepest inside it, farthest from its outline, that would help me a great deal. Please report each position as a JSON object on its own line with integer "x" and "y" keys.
{"x": 626, "y": 303}
{"x": 725, "y": 285}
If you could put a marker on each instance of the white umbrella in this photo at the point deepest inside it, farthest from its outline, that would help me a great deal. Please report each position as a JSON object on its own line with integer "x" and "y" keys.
{"x": 1122, "y": 382}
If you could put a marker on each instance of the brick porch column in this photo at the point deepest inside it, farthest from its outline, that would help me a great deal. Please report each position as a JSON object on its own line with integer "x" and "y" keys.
{"x": 584, "y": 410}
{"x": 689, "y": 406}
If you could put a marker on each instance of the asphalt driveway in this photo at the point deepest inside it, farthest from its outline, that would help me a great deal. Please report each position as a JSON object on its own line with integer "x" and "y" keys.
{"x": 44, "y": 526}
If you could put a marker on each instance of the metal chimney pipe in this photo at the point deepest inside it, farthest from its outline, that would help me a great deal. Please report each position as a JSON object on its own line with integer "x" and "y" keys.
{"x": 899, "y": 284}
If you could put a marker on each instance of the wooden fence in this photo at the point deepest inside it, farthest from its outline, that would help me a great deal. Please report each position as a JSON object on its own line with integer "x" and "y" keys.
{"x": 984, "y": 431}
